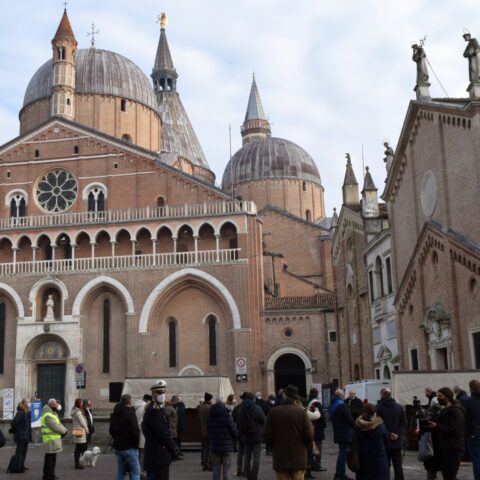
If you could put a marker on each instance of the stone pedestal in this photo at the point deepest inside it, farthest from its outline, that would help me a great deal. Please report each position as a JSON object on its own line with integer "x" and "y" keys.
{"x": 423, "y": 91}
{"x": 474, "y": 89}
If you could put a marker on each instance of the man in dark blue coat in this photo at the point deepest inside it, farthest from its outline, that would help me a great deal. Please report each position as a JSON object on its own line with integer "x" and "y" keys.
{"x": 222, "y": 433}
{"x": 250, "y": 422}
{"x": 343, "y": 425}
{"x": 395, "y": 421}
{"x": 472, "y": 425}
{"x": 159, "y": 446}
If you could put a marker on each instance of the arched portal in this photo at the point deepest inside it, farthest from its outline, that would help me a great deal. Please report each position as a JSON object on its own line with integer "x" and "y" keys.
{"x": 290, "y": 370}
{"x": 46, "y": 358}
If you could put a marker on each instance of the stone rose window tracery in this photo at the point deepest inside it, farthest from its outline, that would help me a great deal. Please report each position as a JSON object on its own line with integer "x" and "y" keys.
{"x": 57, "y": 191}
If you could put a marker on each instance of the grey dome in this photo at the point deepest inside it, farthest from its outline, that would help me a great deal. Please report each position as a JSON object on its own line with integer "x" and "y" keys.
{"x": 98, "y": 72}
{"x": 270, "y": 158}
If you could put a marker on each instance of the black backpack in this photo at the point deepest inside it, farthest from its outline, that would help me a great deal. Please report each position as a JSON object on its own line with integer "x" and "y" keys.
{"x": 247, "y": 424}
{"x": 15, "y": 465}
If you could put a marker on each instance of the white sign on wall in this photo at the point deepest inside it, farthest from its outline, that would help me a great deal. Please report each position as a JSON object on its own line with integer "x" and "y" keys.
{"x": 8, "y": 401}
{"x": 241, "y": 365}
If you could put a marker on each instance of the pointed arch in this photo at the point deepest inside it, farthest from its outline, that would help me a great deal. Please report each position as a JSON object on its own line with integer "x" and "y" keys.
{"x": 12, "y": 293}
{"x": 96, "y": 282}
{"x": 178, "y": 277}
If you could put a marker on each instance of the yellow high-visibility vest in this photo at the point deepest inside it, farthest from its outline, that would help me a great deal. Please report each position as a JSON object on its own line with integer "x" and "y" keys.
{"x": 48, "y": 435}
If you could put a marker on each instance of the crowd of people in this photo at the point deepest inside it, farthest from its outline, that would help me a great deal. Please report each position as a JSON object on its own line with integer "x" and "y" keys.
{"x": 147, "y": 435}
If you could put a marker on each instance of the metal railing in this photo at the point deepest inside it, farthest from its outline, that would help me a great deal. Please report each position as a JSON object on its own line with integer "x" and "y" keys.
{"x": 126, "y": 262}
{"x": 206, "y": 209}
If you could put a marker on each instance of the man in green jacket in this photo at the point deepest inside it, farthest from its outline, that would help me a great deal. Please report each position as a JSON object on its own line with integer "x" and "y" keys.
{"x": 52, "y": 433}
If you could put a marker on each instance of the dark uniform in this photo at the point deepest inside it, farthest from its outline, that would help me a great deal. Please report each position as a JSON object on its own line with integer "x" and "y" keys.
{"x": 159, "y": 446}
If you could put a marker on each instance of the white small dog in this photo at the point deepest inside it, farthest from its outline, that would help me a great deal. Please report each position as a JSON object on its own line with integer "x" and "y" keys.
{"x": 89, "y": 457}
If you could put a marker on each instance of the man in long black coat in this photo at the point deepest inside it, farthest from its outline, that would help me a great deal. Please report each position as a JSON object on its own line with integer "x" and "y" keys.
{"x": 159, "y": 446}
{"x": 395, "y": 421}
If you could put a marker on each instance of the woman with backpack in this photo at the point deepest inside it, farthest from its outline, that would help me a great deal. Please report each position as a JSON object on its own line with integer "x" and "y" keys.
{"x": 22, "y": 435}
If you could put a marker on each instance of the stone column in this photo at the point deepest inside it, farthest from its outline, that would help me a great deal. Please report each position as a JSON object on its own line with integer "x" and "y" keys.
{"x": 217, "y": 247}
{"x": 195, "y": 239}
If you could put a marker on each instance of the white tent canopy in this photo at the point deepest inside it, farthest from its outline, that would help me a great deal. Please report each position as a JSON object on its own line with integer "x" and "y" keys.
{"x": 191, "y": 389}
{"x": 407, "y": 384}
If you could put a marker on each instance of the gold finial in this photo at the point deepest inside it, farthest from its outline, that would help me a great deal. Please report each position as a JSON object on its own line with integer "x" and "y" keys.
{"x": 163, "y": 20}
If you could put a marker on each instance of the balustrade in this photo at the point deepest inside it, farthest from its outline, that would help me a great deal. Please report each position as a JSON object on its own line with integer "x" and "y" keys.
{"x": 206, "y": 209}
{"x": 126, "y": 262}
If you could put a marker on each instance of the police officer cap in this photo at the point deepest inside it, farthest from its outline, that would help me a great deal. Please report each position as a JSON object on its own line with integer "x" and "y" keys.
{"x": 159, "y": 386}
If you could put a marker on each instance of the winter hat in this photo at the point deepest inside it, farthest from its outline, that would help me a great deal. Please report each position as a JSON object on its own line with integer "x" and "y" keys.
{"x": 292, "y": 392}
{"x": 208, "y": 396}
{"x": 447, "y": 392}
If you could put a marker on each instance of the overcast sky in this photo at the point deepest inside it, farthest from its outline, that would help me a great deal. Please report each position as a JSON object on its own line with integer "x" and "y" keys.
{"x": 333, "y": 75}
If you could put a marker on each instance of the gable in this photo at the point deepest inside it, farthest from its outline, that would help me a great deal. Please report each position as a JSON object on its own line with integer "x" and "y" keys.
{"x": 134, "y": 176}
{"x": 447, "y": 244}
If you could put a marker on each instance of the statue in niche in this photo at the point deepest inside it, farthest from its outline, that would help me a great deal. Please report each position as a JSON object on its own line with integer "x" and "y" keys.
{"x": 420, "y": 58}
{"x": 472, "y": 52}
{"x": 50, "y": 303}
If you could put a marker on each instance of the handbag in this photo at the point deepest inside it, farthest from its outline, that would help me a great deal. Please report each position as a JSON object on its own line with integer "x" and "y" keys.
{"x": 78, "y": 432}
{"x": 425, "y": 447}
{"x": 353, "y": 459}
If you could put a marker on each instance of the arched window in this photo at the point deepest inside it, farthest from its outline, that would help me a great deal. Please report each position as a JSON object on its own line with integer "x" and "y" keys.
{"x": 356, "y": 373}
{"x": 379, "y": 274}
{"x": 172, "y": 343}
{"x": 304, "y": 186}
{"x": 386, "y": 373}
{"x": 212, "y": 340}
{"x": 106, "y": 335}
{"x": 160, "y": 202}
{"x": 68, "y": 102}
{"x": 2, "y": 337}
{"x": 123, "y": 105}
{"x": 308, "y": 216}
{"x": 18, "y": 206}
{"x": 96, "y": 198}
{"x": 76, "y": 150}
{"x": 37, "y": 153}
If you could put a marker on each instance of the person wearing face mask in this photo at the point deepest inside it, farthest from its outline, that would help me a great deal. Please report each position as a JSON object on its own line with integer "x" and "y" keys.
{"x": 449, "y": 430}
{"x": 159, "y": 446}
{"x": 52, "y": 433}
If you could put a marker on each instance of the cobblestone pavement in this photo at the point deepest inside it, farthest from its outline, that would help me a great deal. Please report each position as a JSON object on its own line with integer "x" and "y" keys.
{"x": 186, "y": 469}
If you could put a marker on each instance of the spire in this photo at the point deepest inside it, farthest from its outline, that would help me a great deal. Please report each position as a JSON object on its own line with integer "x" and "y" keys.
{"x": 368, "y": 185}
{"x": 350, "y": 178}
{"x": 370, "y": 207}
{"x": 164, "y": 70}
{"x": 255, "y": 107}
{"x": 256, "y": 125}
{"x": 178, "y": 135}
{"x": 350, "y": 185}
{"x": 64, "y": 29}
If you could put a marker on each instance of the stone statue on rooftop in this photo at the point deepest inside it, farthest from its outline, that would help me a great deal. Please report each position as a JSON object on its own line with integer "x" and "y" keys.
{"x": 389, "y": 154}
{"x": 420, "y": 58}
{"x": 472, "y": 52}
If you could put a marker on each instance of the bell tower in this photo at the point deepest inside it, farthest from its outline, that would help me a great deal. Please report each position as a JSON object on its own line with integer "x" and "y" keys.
{"x": 64, "y": 48}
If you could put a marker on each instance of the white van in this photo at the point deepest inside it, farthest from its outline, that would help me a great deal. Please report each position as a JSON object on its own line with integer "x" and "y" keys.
{"x": 367, "y": 389}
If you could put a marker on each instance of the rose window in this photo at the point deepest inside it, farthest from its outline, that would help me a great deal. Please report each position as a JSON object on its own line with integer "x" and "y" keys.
{"x": 56, "y": 191}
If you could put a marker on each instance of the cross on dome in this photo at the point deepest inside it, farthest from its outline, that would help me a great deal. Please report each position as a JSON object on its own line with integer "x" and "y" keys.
{"x": 92, "y": 33}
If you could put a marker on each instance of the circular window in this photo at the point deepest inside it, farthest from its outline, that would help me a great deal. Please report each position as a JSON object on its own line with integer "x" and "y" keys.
{"x": 288, "y": 332}
{"x": 56, "y": 191}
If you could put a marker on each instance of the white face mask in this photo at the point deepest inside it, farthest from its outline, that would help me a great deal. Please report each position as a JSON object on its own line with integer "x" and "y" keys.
{"x": 160, "y": 397}
{"x": 59, "y": 408}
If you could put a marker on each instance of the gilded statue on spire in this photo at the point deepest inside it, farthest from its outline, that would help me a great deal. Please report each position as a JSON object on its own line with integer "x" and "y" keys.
{"x": 163, "y": 20}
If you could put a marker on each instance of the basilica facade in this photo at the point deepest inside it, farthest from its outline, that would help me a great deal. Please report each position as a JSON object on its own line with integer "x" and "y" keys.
{"x": 120, "y": 256}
